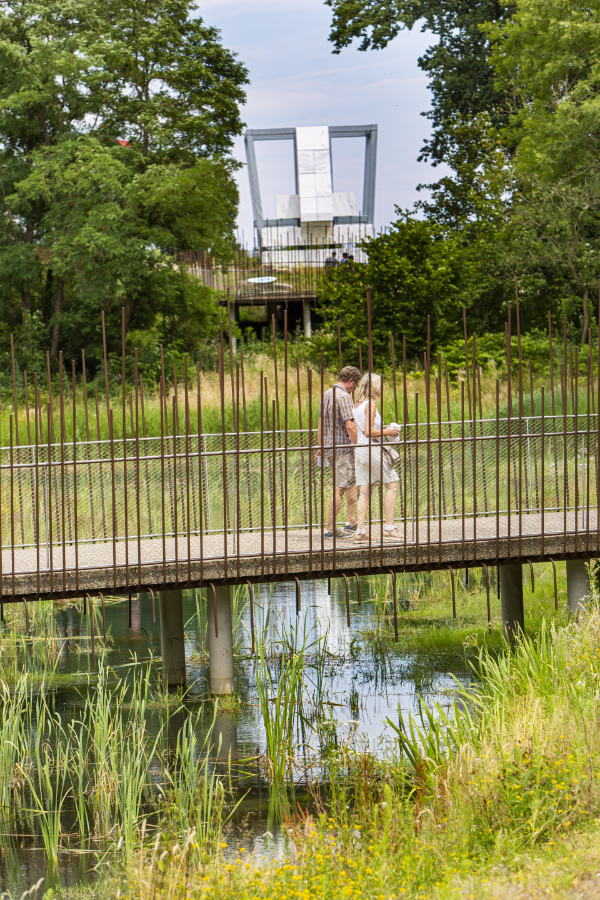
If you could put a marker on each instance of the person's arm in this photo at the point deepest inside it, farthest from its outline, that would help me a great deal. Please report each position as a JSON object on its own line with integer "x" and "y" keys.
{"x": 370, "y": 430}
{"x": 352, "y": 430}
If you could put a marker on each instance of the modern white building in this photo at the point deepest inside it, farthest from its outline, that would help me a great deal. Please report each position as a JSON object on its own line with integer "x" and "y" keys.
{"x": 316, "y": 215}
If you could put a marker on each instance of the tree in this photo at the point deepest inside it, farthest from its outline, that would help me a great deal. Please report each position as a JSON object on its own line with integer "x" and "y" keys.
{"x": 547, "y": 56}
{"x": 414, "y": 270}
{"x": 116, "y": 122}
{"x": 461, "y": 79}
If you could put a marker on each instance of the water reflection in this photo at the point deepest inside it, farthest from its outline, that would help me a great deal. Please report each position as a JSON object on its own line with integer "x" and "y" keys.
{"x": 224, "y": 741}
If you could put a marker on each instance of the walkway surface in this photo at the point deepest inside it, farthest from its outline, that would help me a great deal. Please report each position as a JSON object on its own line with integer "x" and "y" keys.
{"x": 113, "y": 567}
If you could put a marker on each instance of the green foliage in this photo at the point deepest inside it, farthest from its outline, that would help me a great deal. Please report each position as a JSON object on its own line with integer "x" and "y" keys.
{"x": 553, "y": 72}
{"x": 115, "y": 124}
{"x": 461, "y": 78}
{"x": 414, "y": 271}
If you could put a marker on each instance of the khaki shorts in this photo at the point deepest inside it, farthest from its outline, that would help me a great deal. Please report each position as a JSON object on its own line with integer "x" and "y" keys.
{"x": 345, "y": 476}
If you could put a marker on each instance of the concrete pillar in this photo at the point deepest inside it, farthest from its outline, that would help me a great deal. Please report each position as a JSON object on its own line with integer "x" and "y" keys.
{"x": 220, "y": 649}
{"x": 578, "y": 584}
{"x": 511, "y": 600}
{"x": 224, "y": 741}
{"x": 306, "y": 320}
{"x": 235, "y": 318}
{"x": 172, "y": 640}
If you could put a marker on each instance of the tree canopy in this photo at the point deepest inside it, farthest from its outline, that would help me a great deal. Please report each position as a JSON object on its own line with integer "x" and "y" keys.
{"x": 461, "y": 78}
{"x": 116, "y": 122}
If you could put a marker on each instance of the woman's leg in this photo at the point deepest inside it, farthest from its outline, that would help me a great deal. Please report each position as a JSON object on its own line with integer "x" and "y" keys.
{"x": 389, "y": 502}
{"x": 362, "y": 508}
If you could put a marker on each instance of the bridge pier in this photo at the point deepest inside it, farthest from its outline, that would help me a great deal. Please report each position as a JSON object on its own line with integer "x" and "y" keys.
{"x": 172, "y": 640}
{"x": 235, "y": 318}
{"x": 220, "y": 649}
{"x": 306, "y": 320}
{"x": 511, "y": 600}
{"x": 578, "y": 584}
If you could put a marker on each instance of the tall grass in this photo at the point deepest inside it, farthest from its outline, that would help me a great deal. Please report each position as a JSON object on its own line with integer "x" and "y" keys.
{"x": 493, "y": 796}
{"x": 101, "y": 769}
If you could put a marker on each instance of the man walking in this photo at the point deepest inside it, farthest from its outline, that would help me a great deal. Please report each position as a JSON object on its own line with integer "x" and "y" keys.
{"x": 337, "y": 415}
{"x": 332, "y": 262}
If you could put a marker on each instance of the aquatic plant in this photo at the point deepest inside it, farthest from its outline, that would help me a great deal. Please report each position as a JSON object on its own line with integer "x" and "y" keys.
{"x": 278, "y": 705}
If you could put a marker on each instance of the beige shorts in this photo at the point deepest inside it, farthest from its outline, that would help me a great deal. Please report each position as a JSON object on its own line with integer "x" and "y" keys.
{"x": 345, "y": 473}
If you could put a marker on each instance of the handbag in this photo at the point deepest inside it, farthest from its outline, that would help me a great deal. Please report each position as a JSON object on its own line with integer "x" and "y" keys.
{"x": 392, "y": 456}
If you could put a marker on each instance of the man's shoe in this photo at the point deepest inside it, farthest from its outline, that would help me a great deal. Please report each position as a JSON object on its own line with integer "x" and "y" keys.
{"x": 360, "y": 538}
{"x": 338, "y": 533}
{"x": 351, "y": 527}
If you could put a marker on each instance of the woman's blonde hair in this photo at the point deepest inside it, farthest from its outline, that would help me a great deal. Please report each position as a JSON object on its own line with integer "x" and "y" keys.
{"x": 369, "y": 386}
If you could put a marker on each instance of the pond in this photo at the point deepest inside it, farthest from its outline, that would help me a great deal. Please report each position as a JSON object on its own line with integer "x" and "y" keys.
{"x": 353, "y": 679}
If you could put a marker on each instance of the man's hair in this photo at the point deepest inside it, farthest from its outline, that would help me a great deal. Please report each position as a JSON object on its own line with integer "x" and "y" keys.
{"x": 349, "y": 373}
{"x": 333, "y": 253}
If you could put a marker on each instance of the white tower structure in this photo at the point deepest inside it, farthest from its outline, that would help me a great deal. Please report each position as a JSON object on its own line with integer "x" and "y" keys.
{"x": 316, "y": 214}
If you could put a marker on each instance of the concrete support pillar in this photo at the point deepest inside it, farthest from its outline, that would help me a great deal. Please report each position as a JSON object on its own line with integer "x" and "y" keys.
{"x": 578, "y": 584}
{"x": 235, "y": 318}
{"x": 511, "y": 600}
{"x": 172, "y": 641}
{"x": 220, "y": 649}
{"x": 306, "y": 320}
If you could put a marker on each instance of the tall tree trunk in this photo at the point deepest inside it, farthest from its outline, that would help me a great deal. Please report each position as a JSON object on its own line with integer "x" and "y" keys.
{"x": 58, "y": 305}
{"x": 586, "y": 317}
{"x": 26, "y": 293}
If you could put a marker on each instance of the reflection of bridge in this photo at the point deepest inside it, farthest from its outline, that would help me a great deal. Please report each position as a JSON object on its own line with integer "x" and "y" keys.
{"x": 186, "y": 508}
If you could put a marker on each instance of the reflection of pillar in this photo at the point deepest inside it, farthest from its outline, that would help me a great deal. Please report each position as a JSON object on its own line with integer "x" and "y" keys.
{"x": 578, "y": 584}
{"x": 306, "y": 322}
{"x": 136, "y": 613}
{"x": 511, "y": 600}
{"x": 224, "y": 740}
{"x": 172, "y": 641}
{"x": 175, "y": 721}
{"x": 220, "y": 649}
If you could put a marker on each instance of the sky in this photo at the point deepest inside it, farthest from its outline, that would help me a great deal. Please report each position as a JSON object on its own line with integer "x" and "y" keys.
{"x": 295, "y": 79}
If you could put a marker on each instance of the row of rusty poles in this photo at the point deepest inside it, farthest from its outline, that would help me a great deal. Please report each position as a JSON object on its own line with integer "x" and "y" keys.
{"x": 62, "y": 518}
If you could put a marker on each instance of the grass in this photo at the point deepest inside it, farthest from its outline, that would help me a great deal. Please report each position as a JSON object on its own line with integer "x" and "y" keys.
{"x": 476, "y": 794}
{"x": 258, "y": 359}
{"x": 495, "y": 794}
{"x": 425, "y": 620}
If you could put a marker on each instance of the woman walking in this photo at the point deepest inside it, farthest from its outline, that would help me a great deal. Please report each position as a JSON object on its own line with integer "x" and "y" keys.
{"x": 368, "y": 424}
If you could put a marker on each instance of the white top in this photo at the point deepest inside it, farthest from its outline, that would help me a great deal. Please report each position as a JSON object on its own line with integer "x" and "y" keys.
{"x": 360, "y": 417}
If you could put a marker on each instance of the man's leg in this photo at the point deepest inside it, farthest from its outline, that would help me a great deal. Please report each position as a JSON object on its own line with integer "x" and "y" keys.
{"x": 331, "y": 517}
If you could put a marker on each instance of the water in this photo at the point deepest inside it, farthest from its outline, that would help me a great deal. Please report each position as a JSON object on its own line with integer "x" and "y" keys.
{"x": 361, "y": 687}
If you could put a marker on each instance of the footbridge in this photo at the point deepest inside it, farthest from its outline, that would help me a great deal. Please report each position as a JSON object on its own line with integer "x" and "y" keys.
{"x": 132, "y": 512}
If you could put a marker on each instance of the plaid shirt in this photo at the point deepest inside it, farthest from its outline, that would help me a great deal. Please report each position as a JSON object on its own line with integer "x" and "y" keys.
{"x": 345, "y": 410}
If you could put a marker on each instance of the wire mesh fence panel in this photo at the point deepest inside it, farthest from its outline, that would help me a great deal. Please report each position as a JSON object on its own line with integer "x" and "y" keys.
{"x": 159, "y": 492}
